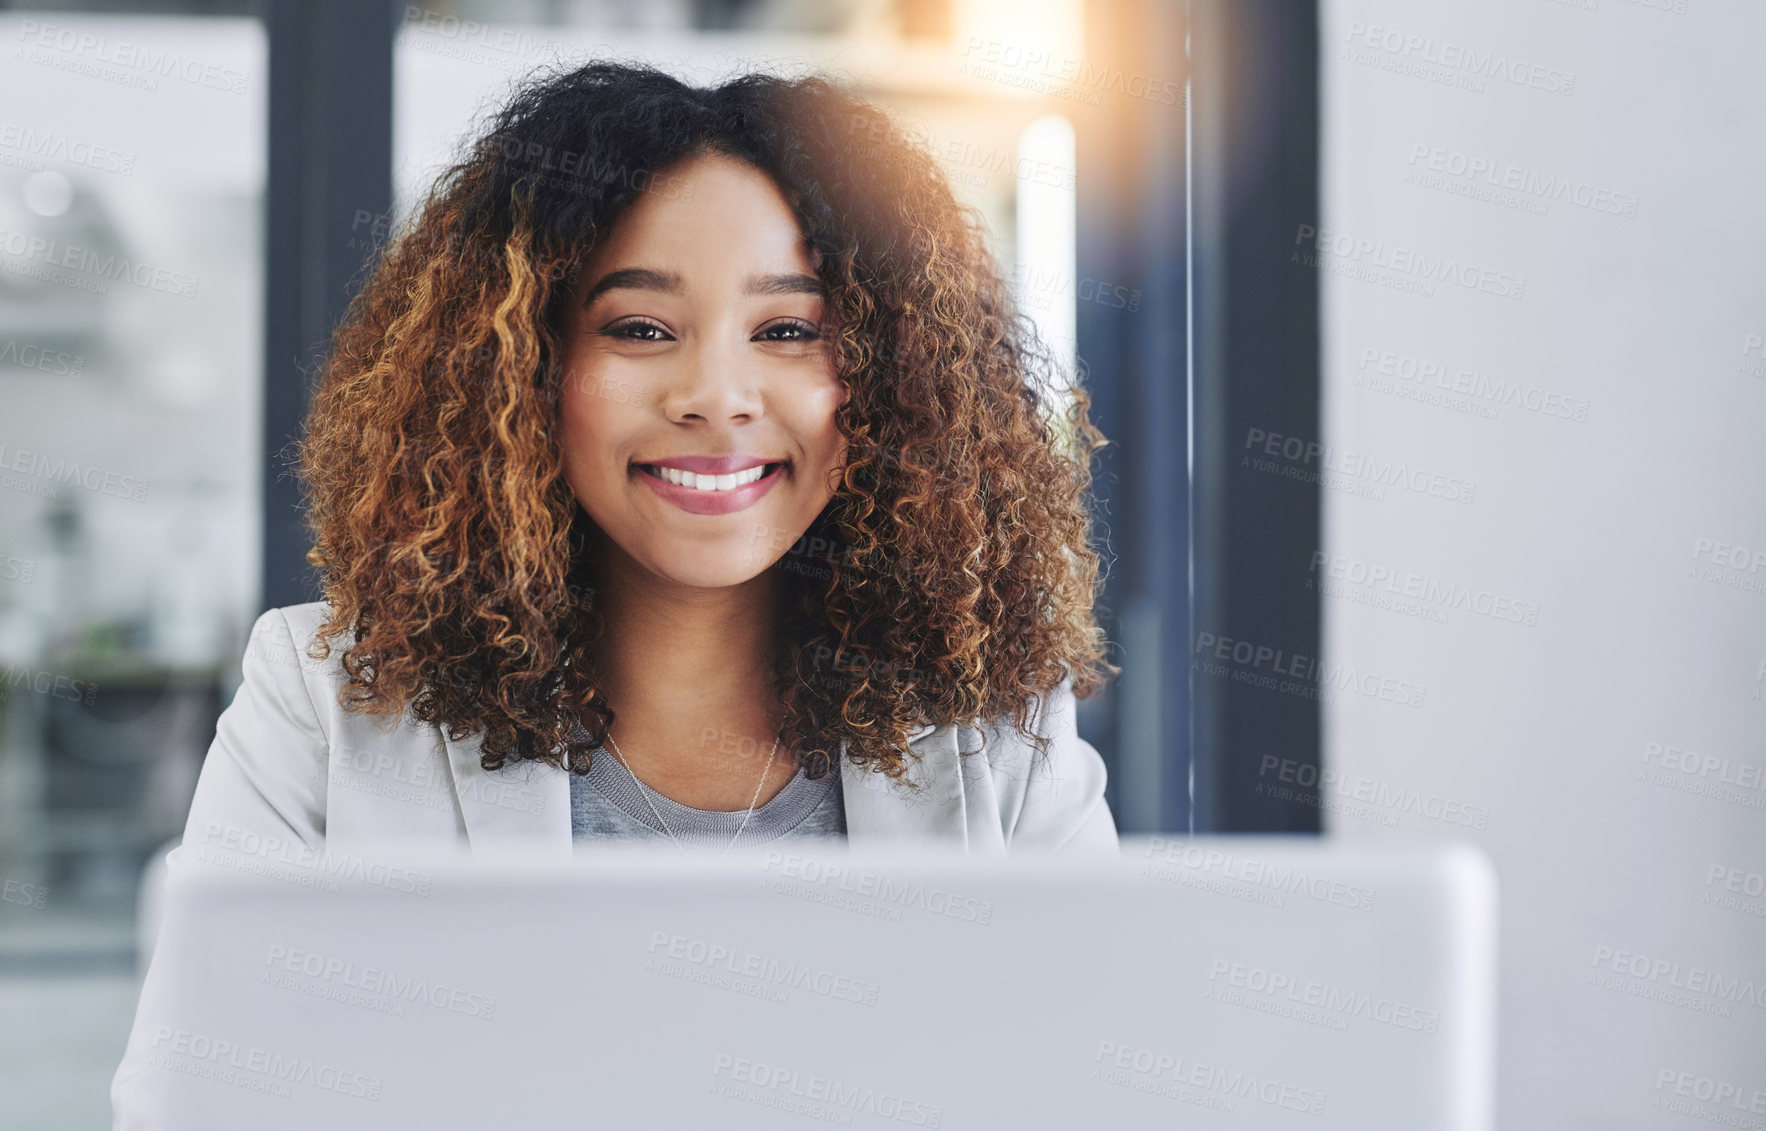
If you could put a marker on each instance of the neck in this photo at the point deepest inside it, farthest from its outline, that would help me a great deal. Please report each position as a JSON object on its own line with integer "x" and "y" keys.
{"x": 685, "y": 668}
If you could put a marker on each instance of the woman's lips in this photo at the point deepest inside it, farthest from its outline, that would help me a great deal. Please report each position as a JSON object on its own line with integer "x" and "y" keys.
{"x": 694, "y": 501}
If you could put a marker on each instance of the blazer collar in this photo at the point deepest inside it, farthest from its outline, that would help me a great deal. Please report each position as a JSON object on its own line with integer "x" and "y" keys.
{"x": 527, "y": 804}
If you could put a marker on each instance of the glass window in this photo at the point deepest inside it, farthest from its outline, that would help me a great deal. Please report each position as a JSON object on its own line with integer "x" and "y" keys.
{"x": 131, "y": 175}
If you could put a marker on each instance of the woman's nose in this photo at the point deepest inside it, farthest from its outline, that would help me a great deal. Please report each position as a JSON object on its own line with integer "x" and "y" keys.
{"x": 714, "y": 382}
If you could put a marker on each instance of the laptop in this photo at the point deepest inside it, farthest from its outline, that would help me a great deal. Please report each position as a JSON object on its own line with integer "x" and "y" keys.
{"x": 1197, "y": 983}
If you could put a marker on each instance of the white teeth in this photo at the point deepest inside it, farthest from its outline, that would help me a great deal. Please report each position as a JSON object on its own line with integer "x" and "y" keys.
{"x": 709, "y": 482}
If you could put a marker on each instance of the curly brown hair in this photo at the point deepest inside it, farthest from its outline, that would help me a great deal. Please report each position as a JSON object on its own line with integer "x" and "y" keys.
{"x": 950, "y": 579}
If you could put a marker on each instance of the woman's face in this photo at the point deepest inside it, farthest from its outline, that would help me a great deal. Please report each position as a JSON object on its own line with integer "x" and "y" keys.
{"x": 697, "y": 410}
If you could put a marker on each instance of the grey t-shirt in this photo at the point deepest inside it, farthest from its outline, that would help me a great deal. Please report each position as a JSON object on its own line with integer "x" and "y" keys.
{"x": 607, "y": 802}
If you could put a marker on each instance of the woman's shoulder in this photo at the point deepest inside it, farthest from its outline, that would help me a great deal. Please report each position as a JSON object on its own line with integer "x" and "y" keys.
{"x": 282, "y": 634}
{"x": 280, "y": 662}
{"x": 1052, "y": 716}
{"x": 1051, "y": 794}
{"x": 276, "y": 650}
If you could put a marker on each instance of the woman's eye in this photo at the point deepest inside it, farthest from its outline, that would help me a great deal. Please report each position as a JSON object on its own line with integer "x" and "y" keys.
{"x": 637, "y": 332}
{"x": 790, "y": 332}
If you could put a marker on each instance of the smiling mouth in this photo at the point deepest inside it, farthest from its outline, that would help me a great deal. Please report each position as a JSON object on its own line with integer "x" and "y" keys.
{"x": 709, "y": 484}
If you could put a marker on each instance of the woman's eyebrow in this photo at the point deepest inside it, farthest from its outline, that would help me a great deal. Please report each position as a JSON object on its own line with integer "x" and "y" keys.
{"x": 637, "y": 279}
{"x": 794, "y": 284}
{"x": 669, "y": 283}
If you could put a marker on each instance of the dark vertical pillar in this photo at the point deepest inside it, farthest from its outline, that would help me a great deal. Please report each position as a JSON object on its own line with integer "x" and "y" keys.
{"x": 328, "y": 194}
{"x": 1256, "y": 341}
{"x": 1132, "y": 335}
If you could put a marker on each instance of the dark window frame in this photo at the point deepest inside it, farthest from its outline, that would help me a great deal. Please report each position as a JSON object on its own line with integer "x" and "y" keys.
{"x": 1198, "y": 211}
{"x": 327, "y": 205}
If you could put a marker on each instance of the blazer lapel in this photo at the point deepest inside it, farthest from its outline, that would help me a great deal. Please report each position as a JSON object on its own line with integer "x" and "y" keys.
{"x": 879, "y": 809}
{"x": 526, "y": 804}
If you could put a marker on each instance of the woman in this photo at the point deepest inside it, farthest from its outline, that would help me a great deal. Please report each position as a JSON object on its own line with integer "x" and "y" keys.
{"x": 693, "y": 428}
{"x": 683, "y": 474}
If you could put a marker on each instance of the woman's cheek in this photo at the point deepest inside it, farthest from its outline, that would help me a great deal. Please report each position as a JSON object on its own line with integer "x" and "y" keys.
{"x": 818, "y": 400}
{"x": 586, "y": 427}
{"x": 592, "y": 390}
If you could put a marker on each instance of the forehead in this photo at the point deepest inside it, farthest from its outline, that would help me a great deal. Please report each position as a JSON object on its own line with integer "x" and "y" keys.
{"x": 709, "y": 218}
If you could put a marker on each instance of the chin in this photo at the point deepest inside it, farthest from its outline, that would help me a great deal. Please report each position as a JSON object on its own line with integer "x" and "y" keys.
{"x": 708, "y": 571}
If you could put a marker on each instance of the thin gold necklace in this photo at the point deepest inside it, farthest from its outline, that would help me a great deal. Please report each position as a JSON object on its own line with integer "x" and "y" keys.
{"x": 645, "y": 792}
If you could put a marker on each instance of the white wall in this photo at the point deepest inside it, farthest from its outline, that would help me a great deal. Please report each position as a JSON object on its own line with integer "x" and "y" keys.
{"x": 1634, "y": 952}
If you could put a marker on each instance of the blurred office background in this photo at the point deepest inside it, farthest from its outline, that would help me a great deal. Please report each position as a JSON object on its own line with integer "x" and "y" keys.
{"x": 1429, "y": 342}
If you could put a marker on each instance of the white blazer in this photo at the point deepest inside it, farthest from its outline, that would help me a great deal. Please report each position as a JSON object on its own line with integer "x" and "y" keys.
{"x": 287, "y": 761}
{"x": 289, "y": 768}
